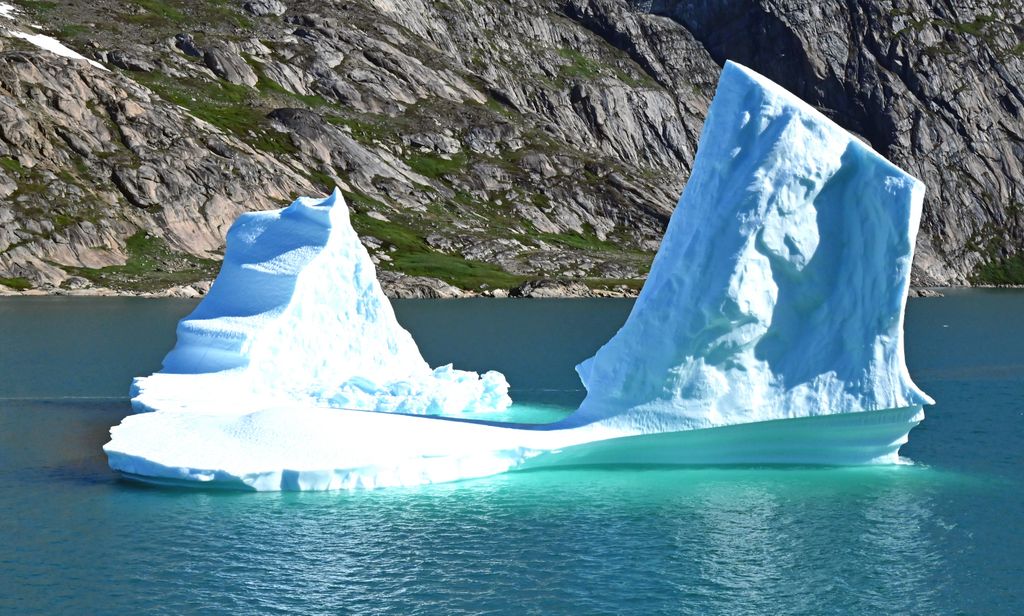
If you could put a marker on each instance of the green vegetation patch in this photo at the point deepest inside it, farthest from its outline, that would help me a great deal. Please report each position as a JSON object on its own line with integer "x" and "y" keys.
{"x": 364, "y": 130}
{"x": 1001, "y": 271}
{"x": 579, "y": 65}
{"x": 991, "y": 244}
{"x": 232, "y": 108}
{"x": 217, "y": 11}
{"x": 402, "y": 238}
{"x": 496, "y": 106}
{"x": 414, "y": 257}
{"x": 434, "y": 166}
{"x": 30, "y": 184}
{"x": 157, "y": 8}
{"x": 151, "y": 266}
{"x": 11, "y": 164}
{"x": 455, "y": 270}
{"x": 20, "y": 284}
{"x": 38, "y": 6}
{"x": 638, "y": 79}
{"x": 360, "y": 200}
{"x": 73, "y": 31}
{"x": 273, "y": 142}
{"x": 974, "y": 27}
{"x": 62, "y": 221}
{"x": 225, "y": 105}
{"x": 321, "y": 179}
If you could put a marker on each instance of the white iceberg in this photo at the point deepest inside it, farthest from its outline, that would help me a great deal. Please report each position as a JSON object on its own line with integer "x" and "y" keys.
{"x": 769, "y": 331}
{"x": 296, "y": 317}
{"x": 780, "y": 285}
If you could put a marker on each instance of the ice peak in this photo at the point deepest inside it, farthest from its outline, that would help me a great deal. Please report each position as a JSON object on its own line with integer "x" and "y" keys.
{"x": 297, "y": 313}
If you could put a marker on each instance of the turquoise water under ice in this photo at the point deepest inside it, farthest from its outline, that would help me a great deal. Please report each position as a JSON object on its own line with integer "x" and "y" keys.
{"x": 940, "y": 536}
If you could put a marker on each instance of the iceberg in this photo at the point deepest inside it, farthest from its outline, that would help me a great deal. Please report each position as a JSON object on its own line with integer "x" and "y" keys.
{"x": 770, "y": 330}
{"x": 296, "y": 317}
{"x": 780, "y": 285}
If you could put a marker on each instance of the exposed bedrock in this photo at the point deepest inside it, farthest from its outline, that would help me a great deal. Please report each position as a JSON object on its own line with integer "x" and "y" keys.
{"x": 482, "y": 144}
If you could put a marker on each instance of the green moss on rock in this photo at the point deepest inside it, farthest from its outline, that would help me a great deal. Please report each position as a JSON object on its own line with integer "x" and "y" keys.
{"x": 151, "y": 266}
{"x": 18, "y": 283}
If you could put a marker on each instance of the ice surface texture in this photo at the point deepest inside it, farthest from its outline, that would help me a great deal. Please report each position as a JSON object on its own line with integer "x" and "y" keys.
{"x": 780, "y": 285}
{"x": 770, "y": 330}
{"x": 296, "y": 315}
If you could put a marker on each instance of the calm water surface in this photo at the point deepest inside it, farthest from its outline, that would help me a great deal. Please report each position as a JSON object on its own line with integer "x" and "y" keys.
{"x": 941, "y": 536}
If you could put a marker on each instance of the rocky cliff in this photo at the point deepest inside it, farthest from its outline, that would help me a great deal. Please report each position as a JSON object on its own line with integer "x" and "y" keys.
{"x": 482, "y": 144}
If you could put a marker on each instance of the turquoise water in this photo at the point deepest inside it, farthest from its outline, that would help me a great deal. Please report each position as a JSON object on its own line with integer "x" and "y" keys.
{"x": 940, "y": 536}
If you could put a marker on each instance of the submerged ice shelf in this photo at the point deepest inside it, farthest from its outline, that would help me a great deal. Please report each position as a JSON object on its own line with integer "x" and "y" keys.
{"x": 319, "y": 449}
{"x": 770, "y": 330}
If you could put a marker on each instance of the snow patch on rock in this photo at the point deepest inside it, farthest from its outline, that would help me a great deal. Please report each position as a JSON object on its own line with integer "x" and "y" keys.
{"x": 48, "y": 43}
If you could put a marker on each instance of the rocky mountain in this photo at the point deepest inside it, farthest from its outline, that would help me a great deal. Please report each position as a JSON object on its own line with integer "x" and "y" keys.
{"x": 482, "y": 144}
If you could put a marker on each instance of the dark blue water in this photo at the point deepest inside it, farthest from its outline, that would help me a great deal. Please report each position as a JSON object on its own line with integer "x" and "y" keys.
{"x": 941, "y": 536}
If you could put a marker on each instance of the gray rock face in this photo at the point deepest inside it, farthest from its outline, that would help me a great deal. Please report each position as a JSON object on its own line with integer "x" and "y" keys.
{"x": 400, "y": 286}
{"x": 229, "y": 66}
{"x": 98, "y": 160}
{"x": 130, "y": 62}
{"x": 550, "y": 288}
{"x": 187, "y": 45}
{"x": 479, "y": 143}
{"x": 262, "y": 8}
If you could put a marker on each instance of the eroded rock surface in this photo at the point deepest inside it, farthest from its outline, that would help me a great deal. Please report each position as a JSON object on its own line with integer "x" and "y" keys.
{"x": 482, "y": 144}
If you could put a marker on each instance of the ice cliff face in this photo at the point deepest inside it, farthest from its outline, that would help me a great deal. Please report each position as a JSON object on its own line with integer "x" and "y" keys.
{"x": 297, "y": 314}
{"x": 780, "y": 285}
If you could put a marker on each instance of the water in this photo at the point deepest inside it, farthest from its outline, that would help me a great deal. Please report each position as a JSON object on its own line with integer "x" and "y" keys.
{"x": 941, "y": 536}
